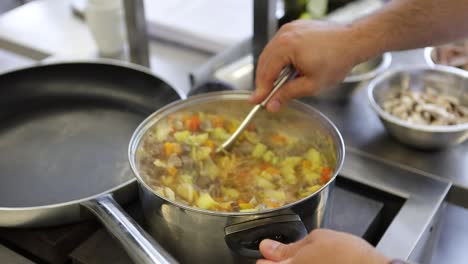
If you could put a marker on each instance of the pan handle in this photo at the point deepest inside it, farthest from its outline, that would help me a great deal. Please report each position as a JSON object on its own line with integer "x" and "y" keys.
{"x": 140, "y": 246}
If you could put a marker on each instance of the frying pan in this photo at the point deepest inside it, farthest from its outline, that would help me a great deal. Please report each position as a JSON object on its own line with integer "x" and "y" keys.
{"x": 64, "y": 132}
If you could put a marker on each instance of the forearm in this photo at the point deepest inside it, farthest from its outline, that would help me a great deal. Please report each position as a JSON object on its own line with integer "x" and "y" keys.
{"x": 409, "y": 24}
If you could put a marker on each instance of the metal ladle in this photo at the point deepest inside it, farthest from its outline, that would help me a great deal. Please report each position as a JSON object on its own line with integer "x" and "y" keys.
{"x": 286, "y": 74}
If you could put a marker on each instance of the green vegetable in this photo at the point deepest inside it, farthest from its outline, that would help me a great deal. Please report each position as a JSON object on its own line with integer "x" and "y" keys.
{"x": 269, "y": 156}
{"x": 182, "y": 136}
{"x": 219, "y": 133}
{"x": 259, "y": 150}
{"x": 198, "y": 139}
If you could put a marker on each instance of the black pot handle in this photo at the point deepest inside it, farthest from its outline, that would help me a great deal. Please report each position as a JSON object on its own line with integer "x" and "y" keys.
{"x": 244, "y": 238}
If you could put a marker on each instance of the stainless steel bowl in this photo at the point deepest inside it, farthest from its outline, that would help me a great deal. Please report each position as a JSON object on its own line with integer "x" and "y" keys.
{"x": 360, "y": 73}
{"x": 446, "y": 80}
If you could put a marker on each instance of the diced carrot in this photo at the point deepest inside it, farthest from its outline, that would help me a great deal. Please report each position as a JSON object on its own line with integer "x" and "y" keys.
{"x": 172, "y": 171}
{"x": 217, "y": 121}
{"x": 172, "y": 148}
{"x": 326, "y": 175}
{"x": 265, "y": 166}
{"x": 278, "y": 139}
{"x": 194, "y": 123}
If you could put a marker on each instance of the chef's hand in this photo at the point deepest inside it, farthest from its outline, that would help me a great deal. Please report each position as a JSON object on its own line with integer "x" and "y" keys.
{"x": 324, "y": 247}
{"x": 322, "y": 52}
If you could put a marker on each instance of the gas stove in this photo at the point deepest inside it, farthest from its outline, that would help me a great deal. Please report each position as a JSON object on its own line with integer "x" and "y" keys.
{"x": 393, "y": 208}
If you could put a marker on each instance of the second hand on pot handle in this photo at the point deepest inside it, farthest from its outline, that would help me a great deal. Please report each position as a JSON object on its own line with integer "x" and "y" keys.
{"x": 286, "y": 74}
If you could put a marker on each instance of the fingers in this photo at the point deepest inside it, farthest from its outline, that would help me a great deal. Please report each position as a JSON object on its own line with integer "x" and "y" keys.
{"x": 276, "y": 251}
{"x": 299, "y": 87}
{"x": 272, "y": 60}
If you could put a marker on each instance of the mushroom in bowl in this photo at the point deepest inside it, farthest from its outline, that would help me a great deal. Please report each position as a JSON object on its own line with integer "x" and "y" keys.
{"x": 423, "y": 106}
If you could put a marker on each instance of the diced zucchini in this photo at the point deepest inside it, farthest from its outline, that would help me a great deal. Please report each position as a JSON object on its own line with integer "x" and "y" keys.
{"x": 182, "y": 136}
{"x": 264, "y": 183}
{"x": 205, "y": 201}
{"x": 259, "y": 150}
{"x": 219, "y": 133}
{"x": 268, "y": 156}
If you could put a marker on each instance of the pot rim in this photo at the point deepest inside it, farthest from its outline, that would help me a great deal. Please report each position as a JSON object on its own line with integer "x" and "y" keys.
{"x": 180, "y": 104}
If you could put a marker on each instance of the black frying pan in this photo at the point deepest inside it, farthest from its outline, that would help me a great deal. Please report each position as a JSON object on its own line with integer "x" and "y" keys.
{"x": 64, "y": 133}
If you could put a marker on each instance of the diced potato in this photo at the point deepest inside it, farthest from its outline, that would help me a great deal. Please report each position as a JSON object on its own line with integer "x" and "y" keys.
{"x": 244, "y": 206}
{"x": 311, "y": 177}
{"x": 315, "y": 158}
{"x": 159, "y": 163}
{"x": 182, "y": 136}
{"x": 167, "y": 179}
{"x": 185, "y": 190}
{"x": 162, "y": 132}
{"x": 279, "y": 196}
{"x": 259, "y": 150}
{"x": 186, "y": 178}
{"x": 292, "y": 161}
{"x": 231, "y": 193}
{"x": 205, "y": 201}
{"x": 290, "y": 178}
{"x": 211, "y": 169}
{"x": 264, "y": 183}
{"x": 169, "y": 193}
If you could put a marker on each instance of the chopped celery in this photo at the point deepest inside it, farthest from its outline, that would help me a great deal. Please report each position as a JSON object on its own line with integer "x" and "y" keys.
{"x": 198, "y": 139}
{"x": 264, "y": 183}
{"x": 182, "y": 136}
{"x": 205, "y": 201}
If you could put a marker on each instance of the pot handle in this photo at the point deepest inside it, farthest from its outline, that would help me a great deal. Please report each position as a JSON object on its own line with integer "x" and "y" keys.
{"x": 244, "y": 238}
{"x": 140, "y": 246}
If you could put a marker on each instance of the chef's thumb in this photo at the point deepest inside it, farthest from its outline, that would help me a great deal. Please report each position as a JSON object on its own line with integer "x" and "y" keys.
{"x": 276, "y": 251}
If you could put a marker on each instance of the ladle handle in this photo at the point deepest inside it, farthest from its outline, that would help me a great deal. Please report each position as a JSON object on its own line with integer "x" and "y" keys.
{"x": 285, "y": 75}
{"x": 139, "y": 245}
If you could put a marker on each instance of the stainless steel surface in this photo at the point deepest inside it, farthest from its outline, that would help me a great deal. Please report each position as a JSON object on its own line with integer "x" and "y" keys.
{"x": 286, "y": 74}
{"x": 136, "y": 31}
{"x": 198, "y": 236}
{"x": 140, "y": 246}
{"x": 361, "y": 72}
{"x": 265, "y": 25}
{"x": 445, "y": 80}
{"x": 361, "y": 129}
{"x": 424, "y": 195}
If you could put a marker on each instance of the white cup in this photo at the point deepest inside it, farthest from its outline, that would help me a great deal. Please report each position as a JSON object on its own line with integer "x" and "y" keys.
{"x": 105, "y": 19}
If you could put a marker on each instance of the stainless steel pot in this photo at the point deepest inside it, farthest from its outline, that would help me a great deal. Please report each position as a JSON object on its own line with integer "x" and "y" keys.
{"x": 199, "y": 236}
